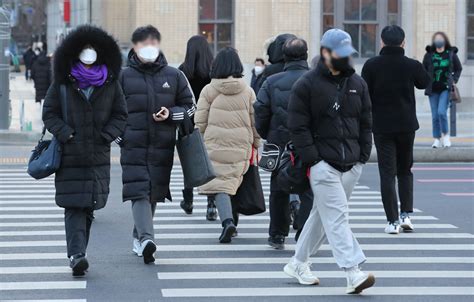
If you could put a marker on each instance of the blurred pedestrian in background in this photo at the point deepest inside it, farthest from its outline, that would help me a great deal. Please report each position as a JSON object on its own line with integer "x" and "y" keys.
{"x": 271, "y": 114}
{"x": 442, "y": 64}
{"x": 329, "y": 119}
{"x": 257, "y": 74}
{"x": 158, "y": 98}
{"x": 41, "y": 75}
{"x": 87, "y": 65}
{"x": 392, "y": 78}
{"x": 28, "y": 58}
{"x": 225, "y": 117}
{"x": 274, "y": 50}
{"x": 196, "y": 67}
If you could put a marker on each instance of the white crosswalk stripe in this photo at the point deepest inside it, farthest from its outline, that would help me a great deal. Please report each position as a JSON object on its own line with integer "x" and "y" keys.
{"x": 188, "y": 245}
{"x": 188, "y": 241}
{"x": 29, "y": 219}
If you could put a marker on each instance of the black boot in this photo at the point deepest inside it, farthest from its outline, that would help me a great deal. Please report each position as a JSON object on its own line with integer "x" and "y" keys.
{"x": 228, "y": 229}
{"x": 211, "y": 213}
{"x": 79, "y": 265}
{"x": 187, "y": 202}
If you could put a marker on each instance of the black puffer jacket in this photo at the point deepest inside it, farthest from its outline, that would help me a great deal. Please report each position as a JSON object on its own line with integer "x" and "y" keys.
{"x": 41, "y": 75}
{"x": 455, "y": 66}
{"x": 319, "y": 129}
{"x": 271, "y": 107}
{"x": 275, "y": 57}
{"x": 147, "y": 152}
{"x": 84, "y": 176}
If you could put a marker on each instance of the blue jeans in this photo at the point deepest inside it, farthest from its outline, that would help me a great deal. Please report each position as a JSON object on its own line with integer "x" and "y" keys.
{"x": 439, "y": 103}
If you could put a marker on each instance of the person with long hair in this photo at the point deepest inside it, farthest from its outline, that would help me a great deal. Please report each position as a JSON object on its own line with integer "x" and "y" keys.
{"x": 442, "y": 64}
{"x": 196, "y": 67}
{"x": 225, "y": 117}
{"x": 87, "y": 66}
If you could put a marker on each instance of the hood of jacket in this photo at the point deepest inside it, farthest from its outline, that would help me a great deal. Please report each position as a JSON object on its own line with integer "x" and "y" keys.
{"x": 229, "y": 86}
{"x": 430, "y": 48}
{"x": 275, "y": 48}
{"x": 134, "y": 62}
{"x": 67, "y": 54}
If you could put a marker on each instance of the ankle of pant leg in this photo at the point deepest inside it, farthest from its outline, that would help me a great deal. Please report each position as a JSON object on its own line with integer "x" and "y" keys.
{"x": 296, "y": 261}
{"x": 351, "y": 269}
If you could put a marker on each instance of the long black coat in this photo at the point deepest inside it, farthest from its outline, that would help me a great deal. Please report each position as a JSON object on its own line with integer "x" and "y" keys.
{"x": 271, "y": 107}
{"x": 391, "y": 78}
{"x": 41, "y": 75}
{"x": 147, "y": 147}
{"x": 84, "y": 176}
{"x": 321, "y": 130}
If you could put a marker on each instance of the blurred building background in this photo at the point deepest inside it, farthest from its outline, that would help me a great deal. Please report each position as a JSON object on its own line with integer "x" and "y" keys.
{"x": 246, "y": 24}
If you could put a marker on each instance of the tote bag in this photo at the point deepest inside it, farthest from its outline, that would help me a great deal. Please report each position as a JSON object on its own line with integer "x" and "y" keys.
{"x": 249, "y": 199}
{"x": 195, "y": 162}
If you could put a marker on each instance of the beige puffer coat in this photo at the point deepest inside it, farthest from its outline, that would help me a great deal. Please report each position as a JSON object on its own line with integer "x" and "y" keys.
{"x": 225, "y": 117}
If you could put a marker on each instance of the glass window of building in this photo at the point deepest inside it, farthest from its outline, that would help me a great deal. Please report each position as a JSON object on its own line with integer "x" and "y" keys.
{"x": 216, "y": 20}
{"x": 470, "y": 29}
{"x": 362, "y": 19}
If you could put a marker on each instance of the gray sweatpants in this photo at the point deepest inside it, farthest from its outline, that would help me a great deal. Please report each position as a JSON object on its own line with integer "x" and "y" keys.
{"x": 329, "y": 217}
{"x": 143, "y": 212}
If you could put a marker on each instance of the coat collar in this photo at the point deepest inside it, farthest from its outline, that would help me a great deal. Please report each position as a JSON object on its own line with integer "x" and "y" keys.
{"x": 323, "y": 70}
{"x": 392, "y": 50}
{"x": 296, "y": 65}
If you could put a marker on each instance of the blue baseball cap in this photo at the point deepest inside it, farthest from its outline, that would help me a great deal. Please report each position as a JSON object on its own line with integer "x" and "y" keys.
{"x": 338, "y": 41}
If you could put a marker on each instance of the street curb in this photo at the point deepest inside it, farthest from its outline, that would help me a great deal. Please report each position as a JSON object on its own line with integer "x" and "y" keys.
{"x": 15, "y": 137}
{"x": 427, "y": 154}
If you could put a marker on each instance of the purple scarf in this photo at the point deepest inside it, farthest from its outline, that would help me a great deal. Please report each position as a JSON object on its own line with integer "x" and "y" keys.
{"x": 86, "y": 77}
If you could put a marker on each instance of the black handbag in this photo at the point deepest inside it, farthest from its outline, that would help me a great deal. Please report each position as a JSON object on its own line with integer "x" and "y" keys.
{"x": 195, "y": 162}
{"x": 292, "y": 173}
{"x": 270, "y": 157}
{"x": 249, "y": 198}
{"x": 45, "y": 159}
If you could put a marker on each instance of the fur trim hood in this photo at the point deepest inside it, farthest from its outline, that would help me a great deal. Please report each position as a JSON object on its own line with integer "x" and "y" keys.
{"x": 108, "y": 52}
{"x": 429, "y": 48}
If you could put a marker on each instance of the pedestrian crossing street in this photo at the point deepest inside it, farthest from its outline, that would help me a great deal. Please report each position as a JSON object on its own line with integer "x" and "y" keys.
{"x": 436, "y": 260}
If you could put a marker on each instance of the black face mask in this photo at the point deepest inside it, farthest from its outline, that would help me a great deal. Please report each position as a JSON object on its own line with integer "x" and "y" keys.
{"x": 341, "y": 64}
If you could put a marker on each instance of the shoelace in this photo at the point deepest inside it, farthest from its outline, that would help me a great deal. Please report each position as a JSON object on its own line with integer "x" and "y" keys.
{"x": 303, "y": 269}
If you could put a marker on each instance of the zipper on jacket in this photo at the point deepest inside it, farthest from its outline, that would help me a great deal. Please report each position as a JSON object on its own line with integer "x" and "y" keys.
{"x": 341, "y": 130}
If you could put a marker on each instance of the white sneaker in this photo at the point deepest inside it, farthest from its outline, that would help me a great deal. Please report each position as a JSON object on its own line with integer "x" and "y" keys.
{"x": 436, "y": 143}
{"x": 405, "y": 224}
{"x": 392, "y": 228}
{"x": 446, "y": 141}
{"x": 302, "y": 272}
{"x": 137, "y": 247}
{"x": 357, "y": 280}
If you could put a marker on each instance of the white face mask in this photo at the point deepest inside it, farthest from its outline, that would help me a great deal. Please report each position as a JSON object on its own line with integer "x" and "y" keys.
{"x": 88, "y": 56}
{"x": 149, "y": 53}
{"x": 258, "y": 69}
{"x": 37, "y": 52}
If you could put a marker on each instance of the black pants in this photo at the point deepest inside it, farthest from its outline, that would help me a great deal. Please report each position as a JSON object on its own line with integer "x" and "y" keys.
{"x": 395, "y": 158}
{"x": 78, "y": 223}
{"x": 280, "y": 209}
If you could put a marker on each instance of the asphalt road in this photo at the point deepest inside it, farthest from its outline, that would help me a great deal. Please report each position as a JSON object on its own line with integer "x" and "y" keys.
{"x": 435, "y": 263}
